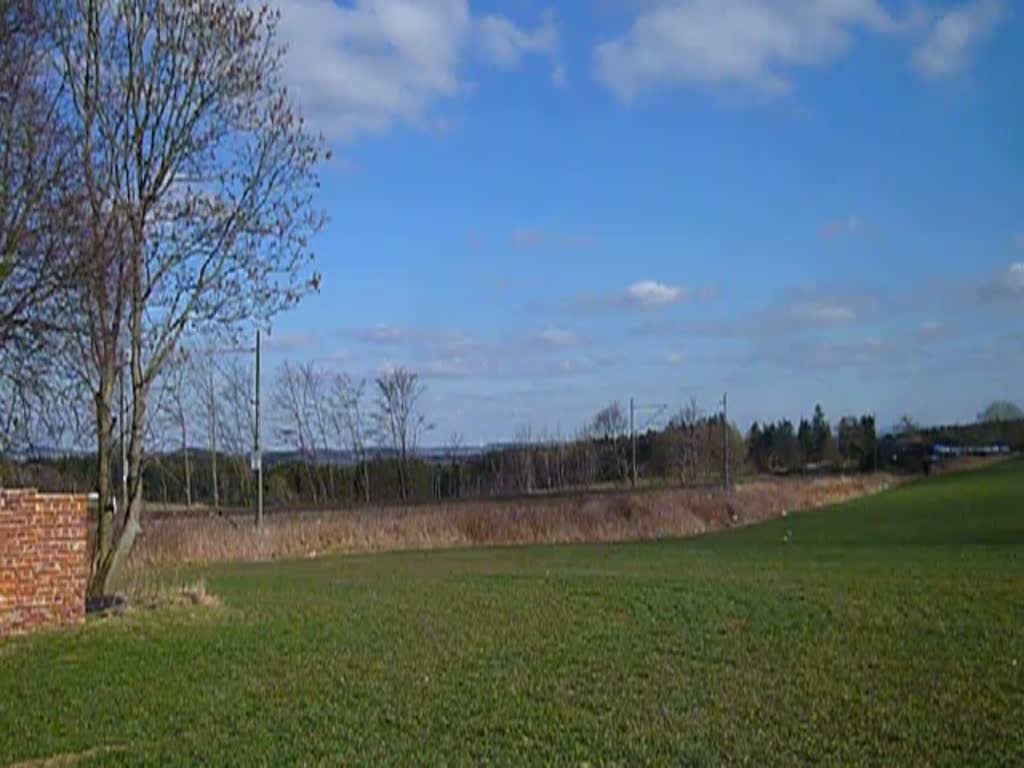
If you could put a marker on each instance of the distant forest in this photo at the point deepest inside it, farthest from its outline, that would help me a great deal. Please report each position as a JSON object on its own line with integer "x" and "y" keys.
{"x": 691, "y": 450}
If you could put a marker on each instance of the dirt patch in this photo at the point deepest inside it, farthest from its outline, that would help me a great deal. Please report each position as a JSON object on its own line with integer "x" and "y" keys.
{"x": 600, "y": 517}
{"x": 68, "y": 759}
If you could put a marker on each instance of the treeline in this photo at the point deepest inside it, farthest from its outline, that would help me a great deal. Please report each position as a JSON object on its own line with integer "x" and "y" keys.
{"x": 779, "y": 447}
{"x": 692, "y": 449}
{"x": 683, "y": 453}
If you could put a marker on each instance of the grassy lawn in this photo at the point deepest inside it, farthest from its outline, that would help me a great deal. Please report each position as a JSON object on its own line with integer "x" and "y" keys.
{"x": 888, "y": 631}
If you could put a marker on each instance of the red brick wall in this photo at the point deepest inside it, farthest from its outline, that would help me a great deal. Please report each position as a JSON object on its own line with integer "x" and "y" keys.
{"x": 43, "y": 560}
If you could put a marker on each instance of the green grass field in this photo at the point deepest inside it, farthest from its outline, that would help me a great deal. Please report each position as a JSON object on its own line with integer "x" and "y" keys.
{"x": 888, "y": 631}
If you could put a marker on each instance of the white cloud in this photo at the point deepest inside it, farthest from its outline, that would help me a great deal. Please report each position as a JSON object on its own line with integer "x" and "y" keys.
{"x": 952, "y": 35}
{"x": 504, "y": 43}
{"x": 748, "y": 42}
{"x": 357, "y": 69}
{"x": 650, "y": 293}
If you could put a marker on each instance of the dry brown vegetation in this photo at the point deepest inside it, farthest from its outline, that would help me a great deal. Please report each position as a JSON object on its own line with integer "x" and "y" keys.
{"x": 600, "y": 517}
{"x": 151, "y": 590}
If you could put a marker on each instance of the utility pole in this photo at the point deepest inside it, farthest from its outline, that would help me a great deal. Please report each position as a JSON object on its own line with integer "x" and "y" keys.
{"x": 257, "y": 456}
{"x": 725, "y": 439}
{"x": 632, "y": 434}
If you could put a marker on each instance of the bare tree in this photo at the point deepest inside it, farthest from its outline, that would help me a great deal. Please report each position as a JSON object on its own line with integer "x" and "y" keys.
{"x": 399, "y": 420}
{"x": 38, "y": 206}
{"x": 175, "y": 408}
{"x": 36, "y": 194}
{"x": 610, "y": 426}
{"x": 685, "y": 446}
{"x": 586, "y": 458}
{"x": 237, "y": 425}
{"x": 345, "y": 401}
{"x": 204, "y": 375}
{"x": 291, "y": 402}
{"x": 199, "y": 178}
{"x": 610, "y": 422}
{"x": 523, "y": 456}
{"x": 321, "y": 427}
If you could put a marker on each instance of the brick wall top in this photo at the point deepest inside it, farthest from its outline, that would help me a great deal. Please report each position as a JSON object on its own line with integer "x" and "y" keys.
{"x": 21, "y": 493}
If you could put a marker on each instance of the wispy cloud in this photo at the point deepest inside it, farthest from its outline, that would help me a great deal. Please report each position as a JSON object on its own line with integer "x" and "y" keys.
{"x": 831, "y": 354}
{"x": 557, "y": 337}
{"x": 849, "y": 227}
{"x": 289, "y": 342}
{"x": 1002, "y": 290}
{"x": 453, "y": 354}
{"x": 382, "y": 334}
{"x": 504, "y": 43}
{"x": 932, "y": 329}
{"x": 746, "y": 42}
{"x": 801, "y": 310}
{"x": 1013, "y": 278}
{"x": 952, "y": 36}
{"x": 530, "y": 237}
{"x": 996, "y": 290}
{"x": 558, "y": 76}
{"x": 822, "y": 312}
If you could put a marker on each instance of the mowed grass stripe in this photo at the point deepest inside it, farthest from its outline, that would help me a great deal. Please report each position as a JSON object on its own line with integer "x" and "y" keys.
{"x": 887, "y": 631}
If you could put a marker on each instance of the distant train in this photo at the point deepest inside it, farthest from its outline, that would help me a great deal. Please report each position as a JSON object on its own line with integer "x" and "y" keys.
{"x": 917, "y": 455}
{"x": 942, "y": 451}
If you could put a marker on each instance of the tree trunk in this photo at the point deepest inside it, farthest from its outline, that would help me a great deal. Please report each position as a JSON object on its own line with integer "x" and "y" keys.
{"x": 366, "y": 480}
{"x": 105, "y": 522}
{"x": 188, "y": 469}
{"x": 216, "y": 486}
{"x": 132, "y": 526}
{"x": 403, "y": 490}
{"x": 213, "y": 444}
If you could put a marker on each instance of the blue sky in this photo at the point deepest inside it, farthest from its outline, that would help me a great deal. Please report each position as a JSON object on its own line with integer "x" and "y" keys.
{"x": 542, "y": 207}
